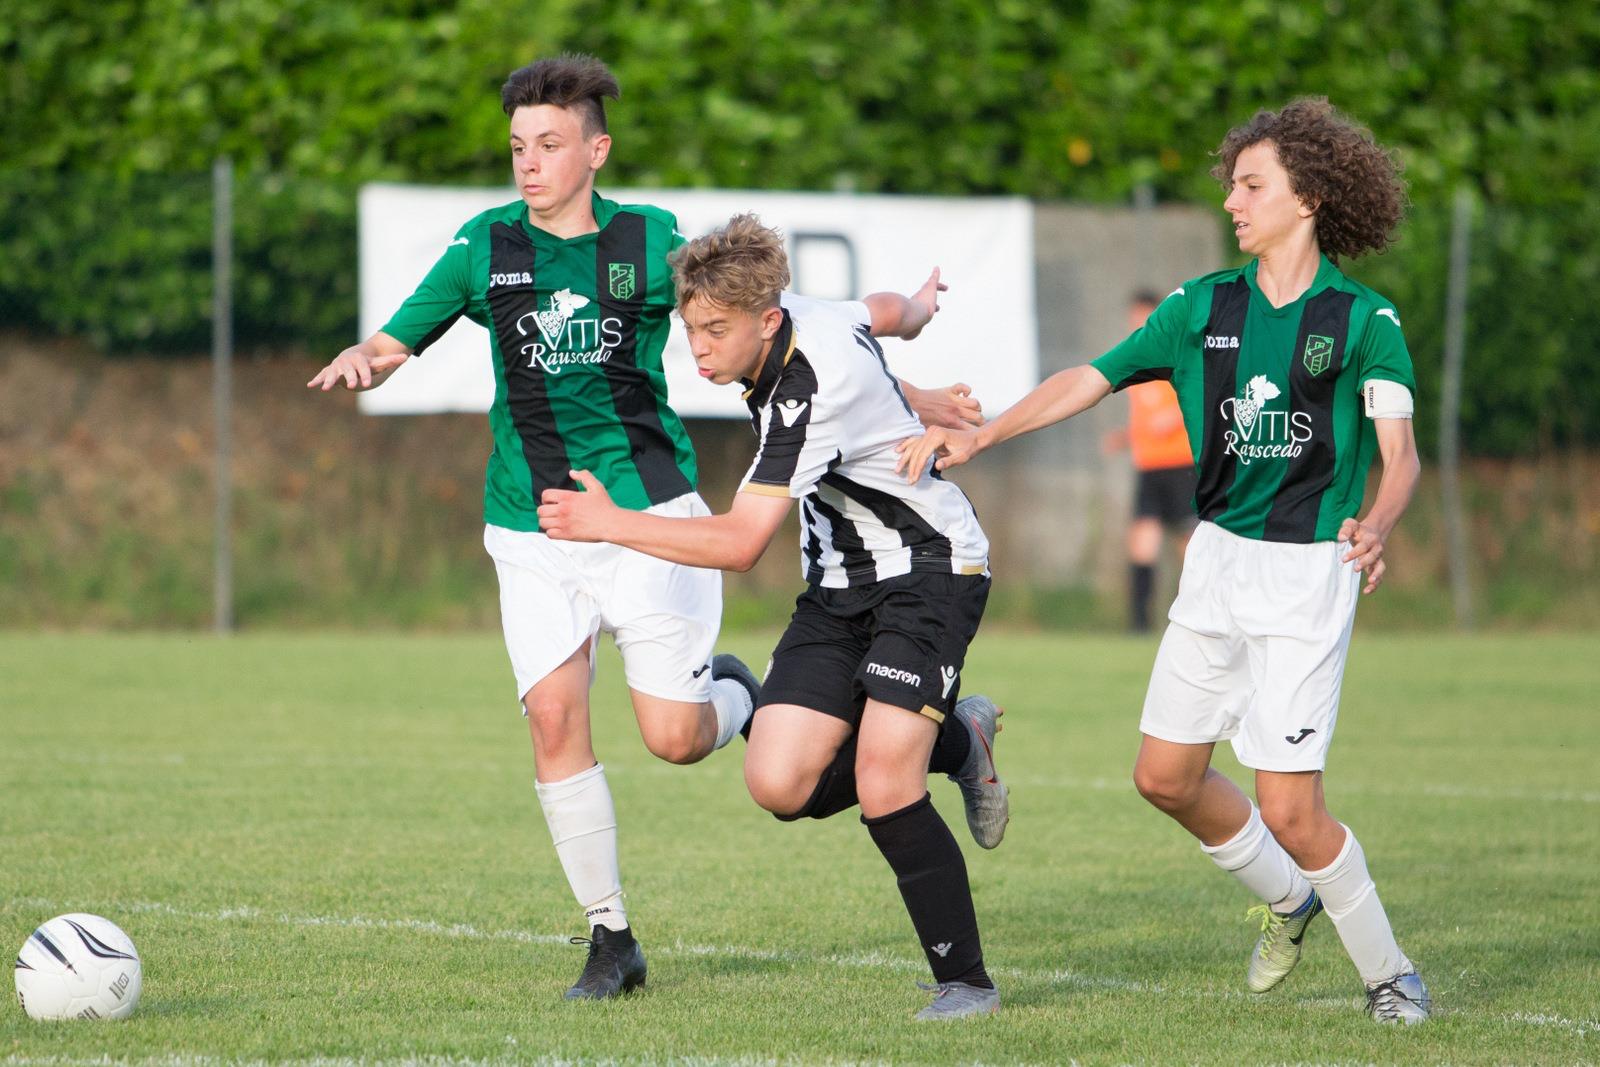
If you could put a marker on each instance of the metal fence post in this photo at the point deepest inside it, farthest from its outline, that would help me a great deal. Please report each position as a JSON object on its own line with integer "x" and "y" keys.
{"x": 222, "y": 388}
{"x": 1455, "y": 332}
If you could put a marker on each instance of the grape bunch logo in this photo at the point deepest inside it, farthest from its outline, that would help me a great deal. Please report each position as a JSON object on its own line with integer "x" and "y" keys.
{"x": 1257, "y": 431}
{"x": 565, "y": 337}
{"x": 564, "y": 303}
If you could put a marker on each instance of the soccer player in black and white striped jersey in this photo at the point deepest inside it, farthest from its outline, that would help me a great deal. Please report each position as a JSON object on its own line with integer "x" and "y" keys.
{"x": 860, "y": 702}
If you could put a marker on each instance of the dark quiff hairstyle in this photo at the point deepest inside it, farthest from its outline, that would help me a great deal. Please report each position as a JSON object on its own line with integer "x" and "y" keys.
{"x": 1334, "y": 165}
{"x": 574, "y": 81}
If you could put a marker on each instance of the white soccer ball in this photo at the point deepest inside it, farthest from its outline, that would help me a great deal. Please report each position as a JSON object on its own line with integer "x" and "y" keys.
{"x": 78, "y": 967}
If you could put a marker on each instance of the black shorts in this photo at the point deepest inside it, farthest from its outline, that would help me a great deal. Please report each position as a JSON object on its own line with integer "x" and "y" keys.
{"x": 901, "y": 641}
{"x": 1167, "y": 495}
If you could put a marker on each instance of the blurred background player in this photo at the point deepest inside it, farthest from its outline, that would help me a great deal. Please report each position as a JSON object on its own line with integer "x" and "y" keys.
{"x": 861, "y": 699}
{"x": 1292, "y": 377}
{"x": 1164, "y": 484}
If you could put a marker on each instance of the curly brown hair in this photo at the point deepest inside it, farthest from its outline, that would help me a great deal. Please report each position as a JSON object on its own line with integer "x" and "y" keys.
{"x": 1334, "y": 164}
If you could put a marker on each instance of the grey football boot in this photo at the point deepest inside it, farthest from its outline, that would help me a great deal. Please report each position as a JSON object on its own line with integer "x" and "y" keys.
{"x": 958, "y": 1000}
{"x": 1278, "y": 948}
{"x": 727, "y": 665}
{"x": 986, "y": 797}
{"x": 1402, "y": 999}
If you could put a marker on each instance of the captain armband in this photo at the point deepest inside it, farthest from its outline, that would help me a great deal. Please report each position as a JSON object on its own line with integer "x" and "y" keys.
{"x": 1387, "y": 400}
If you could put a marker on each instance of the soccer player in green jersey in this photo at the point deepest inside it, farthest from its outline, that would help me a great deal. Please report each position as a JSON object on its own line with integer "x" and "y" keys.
{"x": 576, "y": 294}
{"x": 1291, "y": 376}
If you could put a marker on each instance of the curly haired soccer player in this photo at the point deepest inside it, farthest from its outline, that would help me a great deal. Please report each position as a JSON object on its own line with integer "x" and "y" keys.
{"x": 860, "y": 702}
{"x": 576, "y": 294}
{"x": 1291, "y": 376}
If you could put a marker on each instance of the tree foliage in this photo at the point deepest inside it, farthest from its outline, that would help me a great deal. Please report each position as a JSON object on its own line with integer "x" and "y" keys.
{"x": 112, "y": 112}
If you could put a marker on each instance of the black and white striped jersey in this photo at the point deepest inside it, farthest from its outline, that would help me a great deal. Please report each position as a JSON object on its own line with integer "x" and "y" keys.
{"x": 829, "y": 414}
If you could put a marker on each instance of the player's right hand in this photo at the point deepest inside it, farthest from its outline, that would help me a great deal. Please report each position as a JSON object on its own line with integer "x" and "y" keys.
{"x": 358, "y": 367}
{"x": 952, "y": 447}
{"x": 925, "y": 301}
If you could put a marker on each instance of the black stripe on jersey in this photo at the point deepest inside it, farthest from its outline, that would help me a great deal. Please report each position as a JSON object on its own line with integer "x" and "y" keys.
{"x": 864, "y": 338}
{"x": 1139, "y": 377}
{"x": 512, "y": 309}
{"x": 811, "y": 546}
{"x": 927, "y": 544}
{"x": 788, "y": 421}
{"x": 1307, "y": 476}
{"x": 771, "y": 367}
{"x": 859, "y": 566}
{"x": 622, "y": 266}
{"x": 1217, "y": 465}
{"x": 434, "y": 334}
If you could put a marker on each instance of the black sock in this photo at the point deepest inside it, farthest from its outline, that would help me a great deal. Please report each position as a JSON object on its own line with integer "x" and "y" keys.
{"x": 836, "y": 789}
{"x": 1142, "y": 580}
{"x": 952, "y": 747}
{"x": 932, "y": 874}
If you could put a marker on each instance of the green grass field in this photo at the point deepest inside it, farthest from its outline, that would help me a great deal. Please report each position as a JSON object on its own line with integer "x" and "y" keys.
{"x": 327, "y": 848}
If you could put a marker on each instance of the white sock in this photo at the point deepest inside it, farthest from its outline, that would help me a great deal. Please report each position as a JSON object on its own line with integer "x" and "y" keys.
{"x": 1352, "y": 903}
{"x": 731, "y": 701}
{"x": 583, "y": 824}
{"x": 1254, "y": 857}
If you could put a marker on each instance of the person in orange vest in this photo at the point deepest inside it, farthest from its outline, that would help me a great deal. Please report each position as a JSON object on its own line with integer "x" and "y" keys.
{"x": 1163, "y": 496}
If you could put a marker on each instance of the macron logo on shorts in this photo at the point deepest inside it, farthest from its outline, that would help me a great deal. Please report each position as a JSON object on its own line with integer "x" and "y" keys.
{"x": 895, "y": 674}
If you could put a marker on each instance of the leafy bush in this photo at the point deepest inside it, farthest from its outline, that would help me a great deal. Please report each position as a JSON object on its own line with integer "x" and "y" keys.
{"x": 112, "y": 112}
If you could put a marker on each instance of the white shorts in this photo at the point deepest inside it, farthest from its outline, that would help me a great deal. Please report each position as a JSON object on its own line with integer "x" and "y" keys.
{"x": 1255, "y": 650}
{"x": 555, "y": 595}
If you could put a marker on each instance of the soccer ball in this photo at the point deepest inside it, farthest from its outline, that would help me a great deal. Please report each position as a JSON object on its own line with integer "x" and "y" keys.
{"x": 78, "y": 967}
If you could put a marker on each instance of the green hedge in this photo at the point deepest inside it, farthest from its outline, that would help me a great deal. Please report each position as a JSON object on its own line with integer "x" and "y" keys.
{"x": 111, "y": 113}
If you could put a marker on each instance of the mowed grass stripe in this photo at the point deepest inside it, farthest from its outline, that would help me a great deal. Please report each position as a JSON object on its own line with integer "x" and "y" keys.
{"x": 341, "y": 778}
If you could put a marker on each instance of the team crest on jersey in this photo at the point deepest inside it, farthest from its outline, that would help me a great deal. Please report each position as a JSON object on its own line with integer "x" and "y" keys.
{"x": 624, "y": 280}
{"x": 1258, "y": 432}
{"x": 1318, "y": 354}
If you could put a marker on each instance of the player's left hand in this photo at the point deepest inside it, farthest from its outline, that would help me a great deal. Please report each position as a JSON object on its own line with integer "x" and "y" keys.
{"x": 951, "y": 447}
{"x": 573, "y": 515}
{"x": 1366, "y": 551}
{"x": 926, "y": 302}
{"x": 953, "y": 407}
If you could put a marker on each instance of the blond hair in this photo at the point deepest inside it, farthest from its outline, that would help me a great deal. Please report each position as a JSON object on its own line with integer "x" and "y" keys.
{"x": 742, "y": 265}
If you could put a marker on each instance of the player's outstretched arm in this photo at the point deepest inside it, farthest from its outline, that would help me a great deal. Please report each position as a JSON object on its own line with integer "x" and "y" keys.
{"x": 363, "y": 366}
{"x": 1060, "y": 396}
{"x": 733, "y": 541}
{"x": 1397, "y": 445}
{"x": 953, "y": 407}
{"x": 904, "y": 317}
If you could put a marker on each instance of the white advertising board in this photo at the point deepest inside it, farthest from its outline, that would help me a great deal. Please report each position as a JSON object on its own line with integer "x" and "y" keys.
{"x": 841, "y": 246}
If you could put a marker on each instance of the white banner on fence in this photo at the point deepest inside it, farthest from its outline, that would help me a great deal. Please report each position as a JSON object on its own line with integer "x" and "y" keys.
{"x": 841, "y": 246}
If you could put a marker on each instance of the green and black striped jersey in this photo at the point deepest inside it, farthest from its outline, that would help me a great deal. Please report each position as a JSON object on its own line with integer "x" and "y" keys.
{"x": 1271, "y": 397}
{"x": 576, "y": 329}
